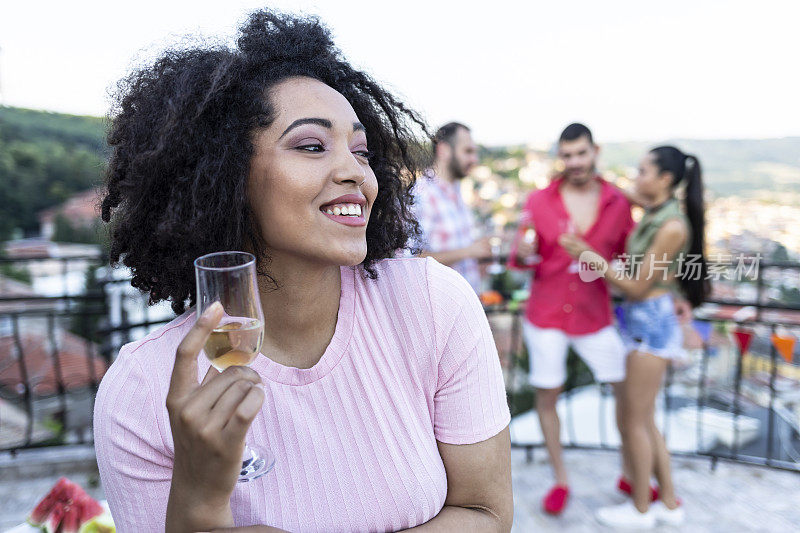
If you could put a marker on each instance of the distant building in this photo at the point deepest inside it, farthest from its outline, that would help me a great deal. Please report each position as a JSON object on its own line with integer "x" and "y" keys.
{"x": 35, "y": 247}
{"x": 81, "y": 211}
{"x": 55, "y": 269}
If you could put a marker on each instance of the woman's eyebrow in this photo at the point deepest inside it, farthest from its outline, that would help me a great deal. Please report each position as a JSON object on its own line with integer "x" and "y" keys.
{"x": 325, "y": 123}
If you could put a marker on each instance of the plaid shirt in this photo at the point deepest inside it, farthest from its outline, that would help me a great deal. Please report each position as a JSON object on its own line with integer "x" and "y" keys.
{"x": 445, "y": 221}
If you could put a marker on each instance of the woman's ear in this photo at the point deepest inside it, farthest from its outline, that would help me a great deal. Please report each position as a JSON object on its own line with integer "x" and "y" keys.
{"x": 666, "y": 177}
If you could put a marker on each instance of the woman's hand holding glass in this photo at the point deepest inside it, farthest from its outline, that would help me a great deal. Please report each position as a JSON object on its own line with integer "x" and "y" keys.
{"x": 229, "y": 279}
{"x": 209, "y": 422}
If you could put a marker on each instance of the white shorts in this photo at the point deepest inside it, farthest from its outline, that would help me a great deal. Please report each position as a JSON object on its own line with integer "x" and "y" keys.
{"x": 603, "y": 352}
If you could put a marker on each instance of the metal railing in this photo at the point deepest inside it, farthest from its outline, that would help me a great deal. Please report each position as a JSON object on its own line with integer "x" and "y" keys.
{"x": 778, "y": 441}
{"x": 55, "y": 349}
{"x": 710, "y": 398}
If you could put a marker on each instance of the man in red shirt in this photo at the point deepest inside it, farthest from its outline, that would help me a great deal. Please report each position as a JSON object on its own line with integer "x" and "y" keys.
{"x": 563, "y": 310}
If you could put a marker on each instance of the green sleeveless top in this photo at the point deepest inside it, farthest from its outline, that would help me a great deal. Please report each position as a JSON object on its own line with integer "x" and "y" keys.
{"x": 641, "y": 239}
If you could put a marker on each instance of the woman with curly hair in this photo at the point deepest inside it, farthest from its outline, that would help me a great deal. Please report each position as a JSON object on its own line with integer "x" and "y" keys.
{"x": 379, "y": 391}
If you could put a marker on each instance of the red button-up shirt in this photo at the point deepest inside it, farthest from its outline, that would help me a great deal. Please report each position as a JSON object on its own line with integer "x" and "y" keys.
{"x": 559, "y": 299}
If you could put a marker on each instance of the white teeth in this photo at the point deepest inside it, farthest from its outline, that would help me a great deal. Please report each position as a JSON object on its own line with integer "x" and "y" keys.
{"x": 345, "y": 210}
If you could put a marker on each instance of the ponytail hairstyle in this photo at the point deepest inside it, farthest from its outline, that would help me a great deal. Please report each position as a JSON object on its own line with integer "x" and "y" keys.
{"x": 685, "y": 169}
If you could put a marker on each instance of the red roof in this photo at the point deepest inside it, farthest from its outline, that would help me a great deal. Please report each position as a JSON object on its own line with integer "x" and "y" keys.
{"x": 42, "y": 376}
{"x": 81, "y": 208}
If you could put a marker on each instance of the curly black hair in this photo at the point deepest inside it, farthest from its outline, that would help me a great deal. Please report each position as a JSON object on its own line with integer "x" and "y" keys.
{"x": 181, "y": 143}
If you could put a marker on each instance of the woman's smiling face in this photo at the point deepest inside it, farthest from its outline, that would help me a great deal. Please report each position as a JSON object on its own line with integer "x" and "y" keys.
{"x": 310, "y": 184}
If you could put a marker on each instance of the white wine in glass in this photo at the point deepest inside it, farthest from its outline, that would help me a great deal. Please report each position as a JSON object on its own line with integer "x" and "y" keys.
{"x": 230, "y": 279}
{"x": 235, "y": 341}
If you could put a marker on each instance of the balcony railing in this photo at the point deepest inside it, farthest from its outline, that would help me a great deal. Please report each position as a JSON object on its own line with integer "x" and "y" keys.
{"x": 54, "y": 350}
{"x": 732, "y": 401}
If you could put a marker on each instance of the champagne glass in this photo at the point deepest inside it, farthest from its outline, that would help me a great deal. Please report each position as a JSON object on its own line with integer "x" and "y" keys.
{"x": 496, "y": 244}
{"x": 230, "y": 279}
{"x": 529, "y": 237}
{"x": 568, "y": 227}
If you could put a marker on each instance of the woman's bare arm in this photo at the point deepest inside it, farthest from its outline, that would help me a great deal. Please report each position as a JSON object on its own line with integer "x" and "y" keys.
{"x": 479, "y": 496}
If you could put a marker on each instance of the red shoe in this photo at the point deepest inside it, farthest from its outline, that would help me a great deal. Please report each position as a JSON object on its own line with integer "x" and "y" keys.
{"x": 623, "y": 485}
{"x": 556, "y": 500}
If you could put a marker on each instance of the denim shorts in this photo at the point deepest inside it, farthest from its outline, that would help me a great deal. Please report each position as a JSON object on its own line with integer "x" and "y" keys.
{"x": 651, "y": 326}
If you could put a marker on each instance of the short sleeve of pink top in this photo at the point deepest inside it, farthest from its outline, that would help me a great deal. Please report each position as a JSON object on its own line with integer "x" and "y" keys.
{"x": 411, "y": 362}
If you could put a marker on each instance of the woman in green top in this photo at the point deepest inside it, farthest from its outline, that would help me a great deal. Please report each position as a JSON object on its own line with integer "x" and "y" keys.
{"x": 666, "y": 238}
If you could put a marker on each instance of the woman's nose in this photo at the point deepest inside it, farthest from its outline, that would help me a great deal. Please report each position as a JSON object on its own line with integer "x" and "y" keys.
{"x": 347, "y": 168}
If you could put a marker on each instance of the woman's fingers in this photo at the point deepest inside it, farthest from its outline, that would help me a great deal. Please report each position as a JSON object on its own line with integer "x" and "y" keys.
{"x": 226, "y": 398}
{"x": 572, "y": 244}
{"x": 227, "y": 404}
{"x": 184, "y": 372}
{"x": 245, "y": 412}
{"x": 525, "y": 249}
{"x": 205, "y": 397}
{"x": 199, "y": 411}
{"x": 210, "y": 374}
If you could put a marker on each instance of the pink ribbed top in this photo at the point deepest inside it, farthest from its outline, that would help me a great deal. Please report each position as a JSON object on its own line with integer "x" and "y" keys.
{"x": 411, "y": 362}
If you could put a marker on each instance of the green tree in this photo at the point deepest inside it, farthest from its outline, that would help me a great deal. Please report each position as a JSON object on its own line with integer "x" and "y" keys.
{"x": 780, "y": 254}
{"x": 9, "y": 270}
{"x": 64, "y": 231}
{"x": 44, "y": 159}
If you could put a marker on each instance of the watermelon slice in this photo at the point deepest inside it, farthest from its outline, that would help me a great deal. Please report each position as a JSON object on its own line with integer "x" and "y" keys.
{"x": 90, "y": 508}
{"x": 94, "y": 518}
{"x": 100, "y": 524}
{"x": 68, "y": 509}
{"x": 72, "y": 519}
{"x": 44, "y": 507}
{"x": 55, "y": 517}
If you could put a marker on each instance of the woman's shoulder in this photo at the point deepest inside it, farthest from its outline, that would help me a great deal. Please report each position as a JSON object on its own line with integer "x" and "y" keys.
{"x": 423, "y": 297}
{"x": 130, "y": 412}
{"x": 423, "y": 282}
{"x": 154, "y": 352}
{"x": 671, "y": 221}
{"x": 417, "y": 276}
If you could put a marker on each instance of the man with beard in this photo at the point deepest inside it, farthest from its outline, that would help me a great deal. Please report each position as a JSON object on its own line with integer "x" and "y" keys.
{"x": 446, "y": 222}
{"x": 563, "y": 310}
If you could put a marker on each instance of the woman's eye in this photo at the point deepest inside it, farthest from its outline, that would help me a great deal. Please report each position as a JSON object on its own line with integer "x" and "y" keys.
{"x": 313, "y": 148}
{"x": 366, "y": 154}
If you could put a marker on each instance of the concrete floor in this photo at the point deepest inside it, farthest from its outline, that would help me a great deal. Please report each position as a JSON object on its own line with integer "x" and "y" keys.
{"x": 732, "y": 498}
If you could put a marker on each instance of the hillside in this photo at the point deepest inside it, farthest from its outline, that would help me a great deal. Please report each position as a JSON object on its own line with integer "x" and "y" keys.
{"x": 44, "y": 159}
{"x": 731, "y": 167}
{"x": 47, "y": 157}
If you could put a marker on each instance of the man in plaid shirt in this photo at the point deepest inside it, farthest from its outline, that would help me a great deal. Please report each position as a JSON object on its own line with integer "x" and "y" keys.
{"x": 446, "y": 222}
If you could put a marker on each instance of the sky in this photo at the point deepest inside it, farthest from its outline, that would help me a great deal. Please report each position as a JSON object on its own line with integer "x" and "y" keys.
{"x": 516, "y": 72}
